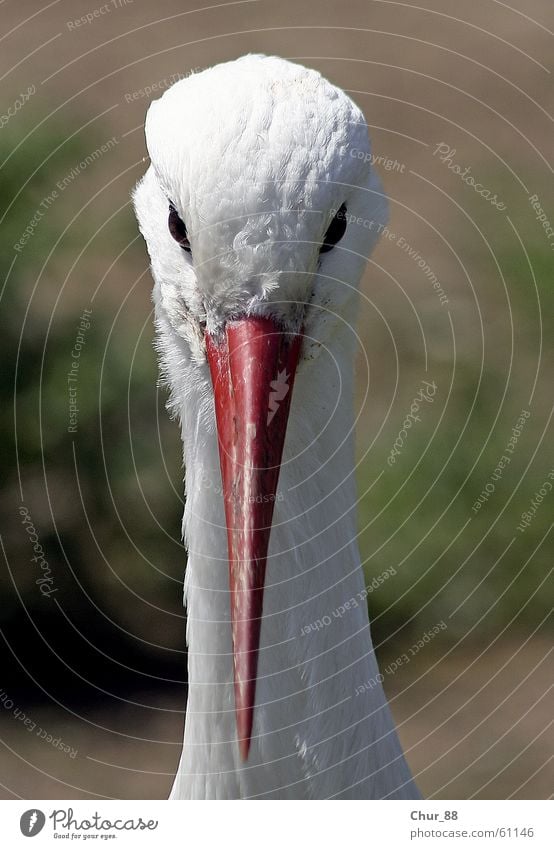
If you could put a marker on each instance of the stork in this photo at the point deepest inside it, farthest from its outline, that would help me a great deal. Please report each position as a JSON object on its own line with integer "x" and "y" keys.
{"x": 259, "y": 210}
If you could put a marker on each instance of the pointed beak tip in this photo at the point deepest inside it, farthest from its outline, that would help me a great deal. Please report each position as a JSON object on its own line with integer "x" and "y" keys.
{"x": 244, "y": 748}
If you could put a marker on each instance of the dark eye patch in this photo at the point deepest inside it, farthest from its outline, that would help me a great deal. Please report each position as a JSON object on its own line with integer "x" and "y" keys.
{"x": 178, "y": 229}
{"x": 335, "y": 231}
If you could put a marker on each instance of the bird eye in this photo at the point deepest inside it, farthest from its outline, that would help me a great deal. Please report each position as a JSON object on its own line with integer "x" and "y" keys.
{"x": 335, "y": 231}
{"x": 178, "y": 229}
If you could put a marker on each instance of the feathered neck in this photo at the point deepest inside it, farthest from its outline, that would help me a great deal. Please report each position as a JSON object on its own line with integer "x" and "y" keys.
{"x": 315, "y": 734}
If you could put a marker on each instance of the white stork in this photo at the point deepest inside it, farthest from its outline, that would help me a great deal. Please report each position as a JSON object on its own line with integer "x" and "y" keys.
{"x": 259, "y": 210}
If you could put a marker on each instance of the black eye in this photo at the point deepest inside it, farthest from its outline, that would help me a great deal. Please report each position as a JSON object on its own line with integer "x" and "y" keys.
{"x": 177, "y": 229}
{"x": 335, "y": 231}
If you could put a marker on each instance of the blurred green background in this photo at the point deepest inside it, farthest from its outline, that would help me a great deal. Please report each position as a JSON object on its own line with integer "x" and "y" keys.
{"x": 101, "y": 662}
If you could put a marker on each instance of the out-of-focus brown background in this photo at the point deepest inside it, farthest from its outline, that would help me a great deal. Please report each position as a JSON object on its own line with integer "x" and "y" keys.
{"x": 93, "y": 663}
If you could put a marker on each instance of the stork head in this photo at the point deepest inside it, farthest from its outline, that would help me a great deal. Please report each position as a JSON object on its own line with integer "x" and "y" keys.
{"x": 259, "y": 210}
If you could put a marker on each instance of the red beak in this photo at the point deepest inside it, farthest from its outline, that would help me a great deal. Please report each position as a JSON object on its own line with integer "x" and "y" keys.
{"x": 252, "y": 365}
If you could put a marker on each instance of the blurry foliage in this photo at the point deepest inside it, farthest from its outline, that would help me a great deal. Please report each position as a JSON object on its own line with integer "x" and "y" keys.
{"x": 71, "y": 482}
{"x": 437, "y": 570}
{"x": 466, "y": 580}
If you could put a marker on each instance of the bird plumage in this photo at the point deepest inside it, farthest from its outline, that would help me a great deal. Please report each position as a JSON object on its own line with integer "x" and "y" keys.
{"x": 257, "y": 156}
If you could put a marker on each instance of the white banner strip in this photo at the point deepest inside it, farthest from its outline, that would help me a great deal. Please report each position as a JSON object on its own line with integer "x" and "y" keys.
{"x": 264, "y": 824}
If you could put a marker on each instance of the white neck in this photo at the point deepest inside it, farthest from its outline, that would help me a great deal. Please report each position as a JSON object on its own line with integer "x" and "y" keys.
{"x": 313, "y": 736}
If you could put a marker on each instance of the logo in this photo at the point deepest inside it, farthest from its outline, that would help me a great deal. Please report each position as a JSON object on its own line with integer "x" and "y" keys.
{"x": 32, "y": 822}
{"x": 279, "y": 390}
